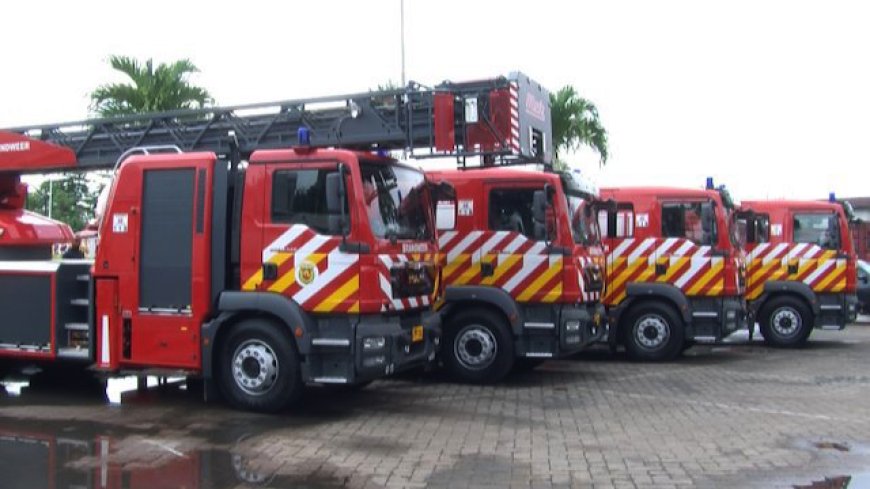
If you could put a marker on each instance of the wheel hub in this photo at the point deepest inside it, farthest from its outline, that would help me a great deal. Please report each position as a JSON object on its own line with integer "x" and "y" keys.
{"x": 475, "y": 347}
{"x": 786, "y": 321}
{"x": 652, "y": 331}
{"x": 255, "y": 367}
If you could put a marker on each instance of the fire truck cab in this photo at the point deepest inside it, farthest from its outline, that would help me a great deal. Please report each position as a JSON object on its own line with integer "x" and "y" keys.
{"x": 801, "y": 267}
{"x": 523, "y": 270}
{"x": 675, "y": 273}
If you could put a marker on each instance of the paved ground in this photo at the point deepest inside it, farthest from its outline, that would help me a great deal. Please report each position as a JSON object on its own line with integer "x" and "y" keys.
{"x": 740, "y": 415}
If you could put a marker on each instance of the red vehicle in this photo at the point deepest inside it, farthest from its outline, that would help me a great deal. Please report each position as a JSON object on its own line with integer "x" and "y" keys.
{"x": 304, "y": 265}
{"x": 523, "y": 271}
{"x": 675, "y": 271}
{"x": 802, "y": 267}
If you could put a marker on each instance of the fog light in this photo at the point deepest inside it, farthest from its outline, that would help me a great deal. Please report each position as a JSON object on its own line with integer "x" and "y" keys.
{"x": 374, "y": 361}
{"x": 407, "y": 349}
{"x": 572, "y": 326}
{"x": 374, "y": 343}
{"x": 437, "y": 341}
{"x": 731, "y": 315}
{"x": 572, "y": 339}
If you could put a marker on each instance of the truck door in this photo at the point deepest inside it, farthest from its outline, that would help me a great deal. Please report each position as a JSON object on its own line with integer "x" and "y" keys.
{"x": 760, "y": 261}
{"x": 813, "y": 256}
{"x": 514, "y": 254}
{"x": 617, "y": 228}
{"x": 306, "y": 213}
{"x": 686, "y": 256}
{"x": 164, "y": 280}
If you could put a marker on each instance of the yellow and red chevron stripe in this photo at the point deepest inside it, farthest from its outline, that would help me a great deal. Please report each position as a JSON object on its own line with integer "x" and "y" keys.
{"x": 686, "y": 265}
{"x": 819, "y": 268}
{"x": 520, "y": 266}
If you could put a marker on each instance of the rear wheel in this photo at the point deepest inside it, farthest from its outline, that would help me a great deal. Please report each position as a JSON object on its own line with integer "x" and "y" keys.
{"x": 259, "y": 367}
{"x": 652, "y": 332}
{"x": 479, "y": 347}
{"x": 786, "y": 322}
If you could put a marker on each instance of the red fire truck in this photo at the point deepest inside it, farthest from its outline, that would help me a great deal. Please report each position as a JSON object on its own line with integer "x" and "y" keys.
{"x": 801, "y": 267}
{"x": 524, "y": 270}
{"x": 675, "y": 271}
{"x": 258, "y": 267}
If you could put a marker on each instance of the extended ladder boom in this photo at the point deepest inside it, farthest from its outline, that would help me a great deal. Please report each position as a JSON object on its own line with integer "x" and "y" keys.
{"x": 504, "y": 120}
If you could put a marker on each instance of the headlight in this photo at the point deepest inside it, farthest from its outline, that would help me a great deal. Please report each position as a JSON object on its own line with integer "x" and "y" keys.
{"x": 731, "y": 315}
{"x": 572, "y": 326}
{"x": 374, "y": 343}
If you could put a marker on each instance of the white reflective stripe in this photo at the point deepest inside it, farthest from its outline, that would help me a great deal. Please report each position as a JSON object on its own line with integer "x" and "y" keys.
{"x": 514, "y": 244}
{"x": 684, "y": 249}
{"x": 29, "y": 266}
{"x": 697, "y": 263}
{"x": 620, "y": 249}
{"x": 310, "y": 247}
{"x": 665, "y": 245}
{"x": 105, "y": 356}
{"x": 758, "y": 250}
{"x": 496, "y": 238}
{"x": 644, "y": 246}
{"x": 530, "y": 263}
{"x": 465, "y": 243}
{"x": 798, "y": 250}
{"x": 823, "y": 268}
{"x": 412, "y": 302}
{"x": 281, "y": 241}
{"x": 774, "y": 252}
{"x": 536, "y": 248}
{"x": 330, "y": 342}
{"x": 533, "y": 354}
{"x": 445, "y": 238}
{"x": 704, "y": 338}
{"x": 332, "y": 271}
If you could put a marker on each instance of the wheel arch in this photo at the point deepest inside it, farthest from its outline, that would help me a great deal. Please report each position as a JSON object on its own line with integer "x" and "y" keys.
{"x": 642, "y": 293}
{"x": 781, "y": 288}
{"x": 235, "y": 307}
{"x": 494, "y": 299}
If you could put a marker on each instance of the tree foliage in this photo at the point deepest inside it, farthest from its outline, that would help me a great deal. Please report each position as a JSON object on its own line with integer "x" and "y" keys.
{"x": 151, "y": 89}
{"x": 576, "y": 123}
{"x": 72, "y": 199}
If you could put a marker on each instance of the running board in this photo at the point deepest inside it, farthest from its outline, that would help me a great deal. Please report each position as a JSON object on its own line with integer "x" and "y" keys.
{"x": 534, "y": 354}
{"x": 329, "y": 380}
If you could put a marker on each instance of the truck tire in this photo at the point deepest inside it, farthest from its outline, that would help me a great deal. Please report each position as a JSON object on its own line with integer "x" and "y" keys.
{"x": 785, "y": 322}
{"x": 259, "y": 367}
{"x": 479, "y": 347}
{"x": 652, "y": 332}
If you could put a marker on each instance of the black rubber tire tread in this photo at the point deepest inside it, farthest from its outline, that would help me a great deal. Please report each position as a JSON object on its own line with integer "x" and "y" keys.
{"x": 771, "y": 338}
{"x": 504, "y": 359}
{"x": 289, "y": 386}
{"x": 674, "y": 346}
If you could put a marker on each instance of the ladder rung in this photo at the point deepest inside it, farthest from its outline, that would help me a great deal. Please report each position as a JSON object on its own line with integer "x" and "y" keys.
{"x": 77, "y": 326}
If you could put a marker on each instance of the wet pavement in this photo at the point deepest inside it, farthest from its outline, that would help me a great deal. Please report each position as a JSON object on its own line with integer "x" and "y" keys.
{"x": 736, "y": 415}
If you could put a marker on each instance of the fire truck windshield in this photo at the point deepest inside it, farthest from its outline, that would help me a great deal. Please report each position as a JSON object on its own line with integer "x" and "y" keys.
{"x": 584, "y": 225}
{"x": 395, "y": 198}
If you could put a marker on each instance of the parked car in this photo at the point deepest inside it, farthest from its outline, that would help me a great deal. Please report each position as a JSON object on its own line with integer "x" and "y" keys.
{"x": 864, "y": 286}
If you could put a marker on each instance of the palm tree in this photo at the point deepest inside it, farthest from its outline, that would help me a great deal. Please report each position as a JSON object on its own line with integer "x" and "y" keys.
{"x": 576, "y": 123}
{"x": 153, "y": 89}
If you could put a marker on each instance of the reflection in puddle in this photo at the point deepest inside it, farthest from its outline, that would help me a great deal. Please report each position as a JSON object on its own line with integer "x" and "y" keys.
{"x": 79, "y": 456}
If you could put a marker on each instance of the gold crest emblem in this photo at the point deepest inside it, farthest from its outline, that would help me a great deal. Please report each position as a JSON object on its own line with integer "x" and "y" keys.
{"x": 306, "y": 273}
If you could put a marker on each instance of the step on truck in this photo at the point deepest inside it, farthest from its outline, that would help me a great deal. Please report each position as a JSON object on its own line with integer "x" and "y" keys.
{"x": 237, "y": 244}
{"x": 801, "y": 267}
{"x": 523, "y": 270}
{"x": 675, "y": 271}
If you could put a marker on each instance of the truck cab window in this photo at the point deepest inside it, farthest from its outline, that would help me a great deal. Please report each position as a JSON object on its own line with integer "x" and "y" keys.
{"x": 691, "y": 220}
{"x": 299, "y": 197}
{"x": 619, "y": 224}
{"x": 818, "y": 229}
{"x": 511, "y": 210}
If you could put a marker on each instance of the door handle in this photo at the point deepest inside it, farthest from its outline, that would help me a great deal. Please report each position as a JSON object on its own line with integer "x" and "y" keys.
{"x": 661, "y": 268}
{"x": 270, "y": 271}
{"x": 486, "y": 269}
{"x": 792, "y": 268}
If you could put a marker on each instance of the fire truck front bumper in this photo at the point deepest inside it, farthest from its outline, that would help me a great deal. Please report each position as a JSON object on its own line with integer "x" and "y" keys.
{"x": 388, "y": 344}
{"x": 578, "y": 327}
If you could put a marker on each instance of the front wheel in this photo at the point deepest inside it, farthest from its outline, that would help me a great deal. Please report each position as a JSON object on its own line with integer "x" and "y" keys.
{"x": 479, "y": 347}
{"x": 259, "y": 367}
{"x": 653, "y": 332}
{"x": 786, "y": 322}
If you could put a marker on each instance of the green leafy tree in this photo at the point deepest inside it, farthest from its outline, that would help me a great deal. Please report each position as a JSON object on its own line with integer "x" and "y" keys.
{"x": 72, "y": 199}
{"x": 151, "y": 89}
{"x": 576, "y": 123}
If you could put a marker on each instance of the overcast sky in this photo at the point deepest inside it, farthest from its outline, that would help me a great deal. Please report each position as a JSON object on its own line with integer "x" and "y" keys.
{"x": 770, "y": 97}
